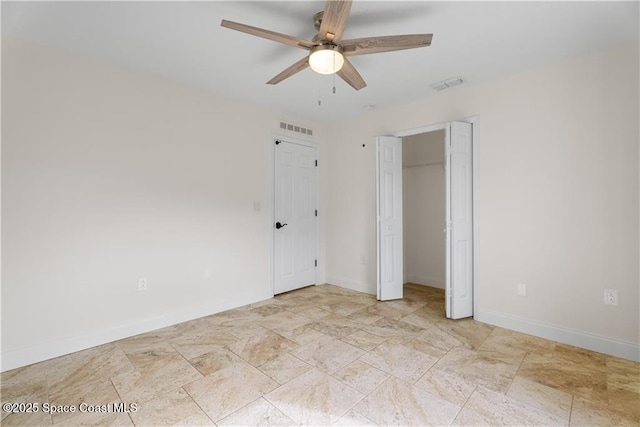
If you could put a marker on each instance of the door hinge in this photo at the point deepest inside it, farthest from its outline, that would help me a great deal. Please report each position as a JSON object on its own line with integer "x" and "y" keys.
{"x": 316, "y": 163}
{"x": 316, "y": 212}
{"x": 316, "y": 263}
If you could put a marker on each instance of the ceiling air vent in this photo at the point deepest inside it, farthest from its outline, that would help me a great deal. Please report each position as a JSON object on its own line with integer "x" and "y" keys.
{"x": 296, "y": 128}
{"x": 446, "y": 84}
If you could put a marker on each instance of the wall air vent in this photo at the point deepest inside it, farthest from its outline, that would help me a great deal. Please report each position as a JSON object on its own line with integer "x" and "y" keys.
{"x": 290, "y": 127}
{"x": 446, "y": 84}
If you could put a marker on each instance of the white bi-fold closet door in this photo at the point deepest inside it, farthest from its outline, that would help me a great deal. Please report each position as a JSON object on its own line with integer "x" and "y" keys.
{"x": 459, "y": 219}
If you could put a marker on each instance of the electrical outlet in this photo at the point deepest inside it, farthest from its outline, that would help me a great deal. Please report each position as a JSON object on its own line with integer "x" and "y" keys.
{"x": 143, "y": 284}
{"x": 522, "y": 289}
{"x": 611, "y": 297}
{"x": 363, "y": 260}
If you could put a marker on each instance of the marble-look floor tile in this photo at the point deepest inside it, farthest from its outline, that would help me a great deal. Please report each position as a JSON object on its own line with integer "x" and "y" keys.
{"x": 361, "y": 376}
{"x": 97, "y": 363}
{"x": 200, "y": 342}
{"x": 488, "y": 369}
{"x": 158, "y": 377}
{"x": 336, "y": 326}
{"x": 257, "y": 413}
{"x": 542, "y": 397}
{"x": 314, "y": 313}
{"x": 580, "y": 356}
{"x": 97, "y": 393}
{"x": 215, "y": 360}
{"x": 510, "y": 340}
{"x": 397, "y": 403}
{"x": 284, "y": 368}
{"x": 24, "y": 385}
{"x": 586, "y": 413}
{"x": 488, "y": 408}
{"x": 566, "y": 375}
{"x": 400, "y": 361}
{"x": 328, "y": 354}
{"x": 302, "y": 334}
{"x": 227, "y": 390}
{"x": 241, "y": 328}
{"x": 365, "y": 316}
{"x": 107, "y": 419}
{"x": 298, "y": 305}
{"x": 265, "y": 310}
{"x": 386, "y": 310}
{"x": 354, "y": 419}
{"x": 173, "y": 408}
{"x": 623, "y": 374}
{"x": 421, "y": 320}
{"x": 314, "y": 398}
{"x": 623, "y": 386}
{"x": 142, "y": 341}
{"x": 150, "y": 354}
{"x": 533, "y": 378}
{"x": 406, "y": 306}
{"x": 286, "y": 319}
{"x": 625, "y": 402}
{"x": 363, "y": 340}
{"x": 446, "y": 386}
{"x": 394, "y": 331}
{"x": 467, "y": 331}
{"x": 435, "y": 342}
{"x": 261, "y": 348}
{"x": 25, "y": 418}
{"x": 341, "y": 307}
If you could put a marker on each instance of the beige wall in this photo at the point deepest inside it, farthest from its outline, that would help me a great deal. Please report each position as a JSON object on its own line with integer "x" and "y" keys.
{"x": 110, "y": 175}
{"x": 557, "y": 204}
{"x": 423, "y": 185}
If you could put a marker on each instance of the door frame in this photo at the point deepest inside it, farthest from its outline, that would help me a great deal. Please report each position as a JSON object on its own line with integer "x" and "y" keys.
{"x": 475, "y": 123}
{"x": 272, "y": 198}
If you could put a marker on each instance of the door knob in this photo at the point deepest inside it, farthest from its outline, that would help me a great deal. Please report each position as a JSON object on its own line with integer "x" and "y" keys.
{"x": 279, "y": 226}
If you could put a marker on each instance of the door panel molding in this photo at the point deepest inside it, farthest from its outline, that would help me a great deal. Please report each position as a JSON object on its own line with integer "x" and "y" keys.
{"x": 294, "y": 223}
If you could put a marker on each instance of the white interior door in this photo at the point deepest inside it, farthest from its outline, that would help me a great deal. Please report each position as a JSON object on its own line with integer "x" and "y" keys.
{"x": 389, "y": 207}
{"x": 295, "y": 215}
{"x": 459, "y": 287}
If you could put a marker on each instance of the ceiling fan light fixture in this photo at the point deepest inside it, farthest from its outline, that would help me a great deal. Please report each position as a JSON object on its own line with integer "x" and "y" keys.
{"x": 326, "y": 58}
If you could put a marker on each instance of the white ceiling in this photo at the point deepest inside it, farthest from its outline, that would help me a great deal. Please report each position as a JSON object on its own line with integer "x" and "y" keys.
{"x": 183, "y": 41}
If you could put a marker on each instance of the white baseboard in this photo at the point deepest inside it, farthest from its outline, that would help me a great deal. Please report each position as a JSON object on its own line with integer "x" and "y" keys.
{"x": 354, "y": 285}
{"x": 601, "y": 344}
{"x": 424, "y": 280}
{"x": 16, "y": 358}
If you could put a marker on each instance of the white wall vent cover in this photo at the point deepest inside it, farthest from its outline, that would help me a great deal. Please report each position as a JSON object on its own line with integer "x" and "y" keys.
{"x": 290, "y": 127}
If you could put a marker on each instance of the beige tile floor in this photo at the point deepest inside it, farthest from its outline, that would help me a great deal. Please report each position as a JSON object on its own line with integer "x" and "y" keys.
{"x": 324, "y": 355}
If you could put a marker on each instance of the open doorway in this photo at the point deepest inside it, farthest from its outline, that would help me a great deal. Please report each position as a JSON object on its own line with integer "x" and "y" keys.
{"x": 460, "y": 167}
{"x": 424, "y": 208}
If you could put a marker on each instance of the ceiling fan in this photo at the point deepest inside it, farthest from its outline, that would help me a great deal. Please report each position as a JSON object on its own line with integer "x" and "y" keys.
{"x": 327, "y": 51}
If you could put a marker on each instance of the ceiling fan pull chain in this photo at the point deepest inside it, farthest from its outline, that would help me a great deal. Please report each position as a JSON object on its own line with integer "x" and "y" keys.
{"x": 319, "y": 92}
{"x": 334, "y": 75}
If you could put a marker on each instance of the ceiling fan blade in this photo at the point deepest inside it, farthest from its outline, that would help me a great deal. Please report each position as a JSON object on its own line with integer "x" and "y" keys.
{"x": 267, "y": 34}
{"x": 369, "y": 45}
{"x": 334, "y": 20}
{"x": 349, "y": 74}
{"x": 290, "y": 71}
